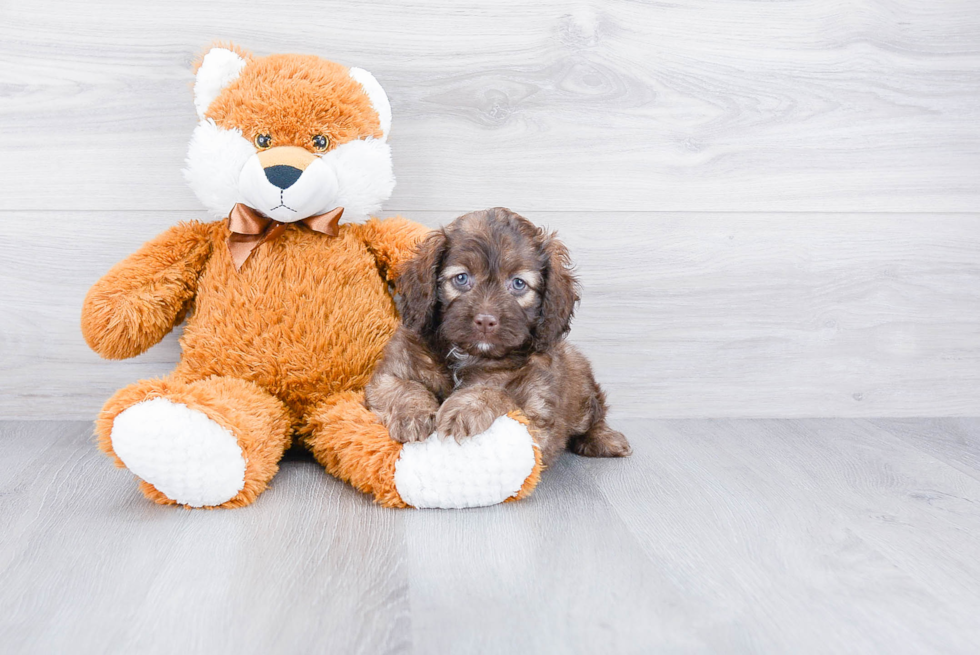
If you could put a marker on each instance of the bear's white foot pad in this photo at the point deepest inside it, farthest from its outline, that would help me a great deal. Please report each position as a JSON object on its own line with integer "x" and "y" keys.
{"x": 485, "y": 469}
{"x": 180, "y": 451}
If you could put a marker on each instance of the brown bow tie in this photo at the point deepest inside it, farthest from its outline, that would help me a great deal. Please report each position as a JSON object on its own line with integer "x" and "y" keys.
{"x": 250, "y": 229}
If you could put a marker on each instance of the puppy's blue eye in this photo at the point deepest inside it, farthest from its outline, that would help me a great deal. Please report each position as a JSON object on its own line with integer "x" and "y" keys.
{"x": 462, "y": 279}
{"x": 518, "y": 284}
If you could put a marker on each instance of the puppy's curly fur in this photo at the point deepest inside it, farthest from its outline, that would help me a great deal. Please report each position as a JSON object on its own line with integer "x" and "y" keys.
{"x": 486, "y": 304}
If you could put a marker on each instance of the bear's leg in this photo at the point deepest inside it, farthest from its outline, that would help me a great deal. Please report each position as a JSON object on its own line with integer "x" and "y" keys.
{"x": 214, "y": 442}
{"x": 501, "y": 464}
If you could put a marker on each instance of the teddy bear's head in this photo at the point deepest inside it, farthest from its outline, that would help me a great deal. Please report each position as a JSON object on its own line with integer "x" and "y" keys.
{"x": 290, "y": 136}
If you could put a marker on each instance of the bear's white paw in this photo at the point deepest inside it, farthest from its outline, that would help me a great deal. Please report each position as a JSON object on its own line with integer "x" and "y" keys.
{"x": 484, "y": 469}
{"x": 180, "y": 451}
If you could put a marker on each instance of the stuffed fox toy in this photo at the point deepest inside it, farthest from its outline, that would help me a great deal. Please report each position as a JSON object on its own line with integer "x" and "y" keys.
{"x": 287, "y": 309}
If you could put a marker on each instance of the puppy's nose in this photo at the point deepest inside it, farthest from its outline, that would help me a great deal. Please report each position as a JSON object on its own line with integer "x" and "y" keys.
{"x": 283, "y": 176}
{"x": 486, "y": 323}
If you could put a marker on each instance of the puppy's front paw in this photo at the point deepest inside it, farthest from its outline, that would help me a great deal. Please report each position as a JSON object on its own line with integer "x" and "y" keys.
{"x": 410, "y": 427}
{"x": 463, "y": 418}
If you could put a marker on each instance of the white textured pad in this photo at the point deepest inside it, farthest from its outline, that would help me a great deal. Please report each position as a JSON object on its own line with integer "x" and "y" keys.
{"x": 180, "y": 451}
{"x": 484, "y": 469}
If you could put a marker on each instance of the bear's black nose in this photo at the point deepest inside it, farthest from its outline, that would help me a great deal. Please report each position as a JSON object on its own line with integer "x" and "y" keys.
{"x": 283, "y": 176}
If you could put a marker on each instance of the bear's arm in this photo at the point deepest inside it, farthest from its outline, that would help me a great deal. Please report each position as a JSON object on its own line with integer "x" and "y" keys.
{"x": 144, "y": 296}
{"x": 391, "y": 241}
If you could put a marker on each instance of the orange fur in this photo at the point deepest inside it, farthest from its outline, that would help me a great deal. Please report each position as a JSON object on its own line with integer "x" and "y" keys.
{"x": 290, "y": 85}
{"x": 141, "y": 298}
{"x": 307, "y": 316}
{"x": 352, "y": 444}
{"x": 300, "y": 327}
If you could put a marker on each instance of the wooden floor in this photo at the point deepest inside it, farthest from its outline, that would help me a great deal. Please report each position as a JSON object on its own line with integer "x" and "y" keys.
{"x": 730, "y": 536}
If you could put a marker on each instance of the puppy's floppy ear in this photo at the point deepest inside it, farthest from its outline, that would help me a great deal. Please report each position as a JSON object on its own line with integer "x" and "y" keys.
{"x": 559, "y": 297}
{"x": 418, "y": 284}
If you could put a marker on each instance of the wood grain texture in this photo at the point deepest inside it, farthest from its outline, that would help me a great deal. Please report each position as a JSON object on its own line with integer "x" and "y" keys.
{"x": 955, "y": 441}
{"x": 735, "y": 536}
{"x": 594, "y": 117}
{"x": 581, "y": 585}
{"x": 683, "y": 315}
{"x": 554, "y": 105}
{"x": 88, "y": 565}
{"x": 830, "y": 505}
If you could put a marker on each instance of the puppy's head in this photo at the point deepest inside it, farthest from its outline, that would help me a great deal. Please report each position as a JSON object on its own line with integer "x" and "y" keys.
{"x": 489, "y": 283}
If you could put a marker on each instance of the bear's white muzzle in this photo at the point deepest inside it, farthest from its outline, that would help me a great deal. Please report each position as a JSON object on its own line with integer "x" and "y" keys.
{"x": 288, "y": 193}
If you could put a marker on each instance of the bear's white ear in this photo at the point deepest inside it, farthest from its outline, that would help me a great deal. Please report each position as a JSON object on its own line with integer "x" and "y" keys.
{"x": 219, "y": 68}
{"x": 379, "y": 100}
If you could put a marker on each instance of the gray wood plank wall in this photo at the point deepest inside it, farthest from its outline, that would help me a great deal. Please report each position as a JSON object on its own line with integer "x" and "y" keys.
{"x": 774, "y": 205}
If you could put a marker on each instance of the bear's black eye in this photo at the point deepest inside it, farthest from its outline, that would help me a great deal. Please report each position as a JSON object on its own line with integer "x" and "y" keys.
{"x": 320, "y": 142}
{"x": 263, "y": 141}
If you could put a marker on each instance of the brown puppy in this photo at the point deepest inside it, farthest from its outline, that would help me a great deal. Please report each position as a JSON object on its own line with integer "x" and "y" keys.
{"x": 485, "y": 305}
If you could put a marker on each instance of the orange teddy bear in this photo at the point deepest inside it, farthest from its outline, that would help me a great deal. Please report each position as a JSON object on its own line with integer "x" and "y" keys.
{"x": 287, "y": 311}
